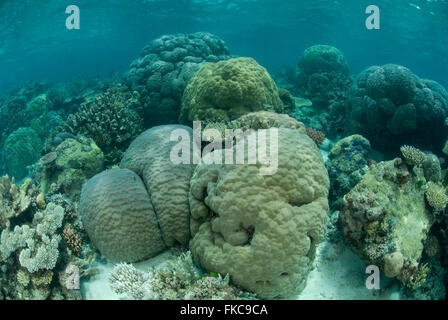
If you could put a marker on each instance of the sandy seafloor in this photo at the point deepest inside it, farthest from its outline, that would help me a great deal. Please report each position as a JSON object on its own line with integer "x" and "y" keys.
{"x": 338, "y": 274}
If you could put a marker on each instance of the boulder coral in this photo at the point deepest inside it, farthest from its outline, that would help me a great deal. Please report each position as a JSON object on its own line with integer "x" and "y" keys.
{"x": 385, "y": 217}
{"x": 22, "y": 148}
{"x": 391, "y": 106}
{"x": 118, "y": 216}
{"x": 347, "y": 163}
{"x": 226, "y": 90}
{"x": 164, "y": 68}
{"x": 261, "y": 230}
{"x": 158, "y": 190}
{"x": 149, "y": 155}
{"x": 323, "y": 76}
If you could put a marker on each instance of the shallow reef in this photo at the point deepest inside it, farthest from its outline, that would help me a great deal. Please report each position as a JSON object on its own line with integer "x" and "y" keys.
{"x": 360, "y": 178}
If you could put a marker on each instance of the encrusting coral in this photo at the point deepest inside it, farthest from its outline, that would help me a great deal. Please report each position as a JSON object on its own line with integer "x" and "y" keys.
{"x": 226, "y": 90}
{"x": 68, "y": 166}
{"x": 385, "y": 217}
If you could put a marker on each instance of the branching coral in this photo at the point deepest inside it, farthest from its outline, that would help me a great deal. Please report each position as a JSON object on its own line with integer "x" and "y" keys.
{"x": 436, "y": 196}
{"x": 15, "y": 200}
{"x": 72, "y": 239}
{"x": 112, "y": 120}
{"x": 315, "y": 135}
{"x": 178, "y": 279}
{"x": 38, "y": 245}
{"x": 412, "y": 155}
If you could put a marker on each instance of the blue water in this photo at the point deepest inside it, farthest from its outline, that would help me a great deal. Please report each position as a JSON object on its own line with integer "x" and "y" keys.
{"x": 35, "y": 45}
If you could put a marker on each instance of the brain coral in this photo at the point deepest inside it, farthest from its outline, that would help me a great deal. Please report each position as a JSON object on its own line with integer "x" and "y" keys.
{"x": 168, "y": 184}
{"x": 118, "y": 216}
{"x": 22, "y": 148}
{"x": 391, "y": 106}
{"x": 164, "y": 68}
{"x": 226, "y": 90}
{"x": 262, "y": 230}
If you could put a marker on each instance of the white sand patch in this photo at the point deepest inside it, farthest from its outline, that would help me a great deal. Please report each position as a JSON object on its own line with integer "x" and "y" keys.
{"x": 340, "y": 275}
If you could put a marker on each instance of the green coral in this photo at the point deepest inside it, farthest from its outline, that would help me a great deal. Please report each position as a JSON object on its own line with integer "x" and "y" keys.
{"x": 386, "y": 213}
{"x": 226, "y": 90}
{"x": 323, "y": 58}
{"x": 69, "y": 166}
{"x": 112, "y": 120}
{"x": 22, "y": 148}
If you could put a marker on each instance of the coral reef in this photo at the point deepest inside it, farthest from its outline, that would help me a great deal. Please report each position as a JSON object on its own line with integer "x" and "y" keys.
{"x": 35, "y": 263}
{"x": 68, "y": 166}
{"x": 22, "y": 148}
{"x": 164, "y": 68}
{"x": 168, "y": 184}
{"x": 385, "y": 217}
{"x": 112, "y": 120}
{"x": 391, "y": 106}
{"x": 226, "y": 90}
{"x": 347, "y": 163}
{"x": 240, "y": 219}
{"x": 178, "y": 279}
{"x": 118, "y": 216}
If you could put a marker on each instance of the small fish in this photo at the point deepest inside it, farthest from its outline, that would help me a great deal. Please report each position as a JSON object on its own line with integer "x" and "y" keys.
{"x": 127, "y": 160}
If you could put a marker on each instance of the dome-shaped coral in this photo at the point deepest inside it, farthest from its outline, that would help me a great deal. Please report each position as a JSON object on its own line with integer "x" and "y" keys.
{"x": 226, "y": 90}
{"x": 118, "y": 216}
{"x": 323, "y": 58}
{"x": 261, "y": 230}
{"x": 168, "y": 184}
{"x": 22, "y": 148}
{"x": 391, "y": 106}
{"x": 164, "y": 68}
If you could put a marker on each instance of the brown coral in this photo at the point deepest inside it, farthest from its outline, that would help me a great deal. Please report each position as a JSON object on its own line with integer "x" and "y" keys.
{"x": 72, "y": 239}
{"x": 15, "y": 200}
{"x": 315, "y": 135}
{"x": 112, "y": 120}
